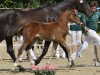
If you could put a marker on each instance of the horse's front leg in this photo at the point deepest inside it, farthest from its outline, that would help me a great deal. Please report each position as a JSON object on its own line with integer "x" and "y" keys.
{"x": 45, "y": 49}
{"x": 66, "y": 49}
{"x": 10, "y": 50}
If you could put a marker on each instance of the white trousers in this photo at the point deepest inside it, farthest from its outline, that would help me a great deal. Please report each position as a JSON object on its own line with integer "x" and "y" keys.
{"x": 76, "y": 37}
{"x": 91, "y": 36}
{"x": 58, "y": 52}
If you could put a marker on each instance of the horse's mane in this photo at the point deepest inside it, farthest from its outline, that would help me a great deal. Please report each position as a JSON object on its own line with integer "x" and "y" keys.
{"x": 39, "y": 8}
{"x": 55, "y": 5}
{"x": 6, "y": 12}
{"x": 59, "y": 4}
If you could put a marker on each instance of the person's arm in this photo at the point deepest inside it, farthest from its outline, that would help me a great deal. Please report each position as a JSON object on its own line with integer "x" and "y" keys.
{"x": 83, "y": 18}
{"x": 99, "y": 15}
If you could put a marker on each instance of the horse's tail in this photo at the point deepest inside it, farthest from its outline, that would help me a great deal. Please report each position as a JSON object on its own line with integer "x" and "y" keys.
{"x": 14, "y": 27}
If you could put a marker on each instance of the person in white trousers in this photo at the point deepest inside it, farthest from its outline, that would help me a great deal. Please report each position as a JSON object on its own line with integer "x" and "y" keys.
{"x": 91, "y": 35}
{"x": 76, "y": 32}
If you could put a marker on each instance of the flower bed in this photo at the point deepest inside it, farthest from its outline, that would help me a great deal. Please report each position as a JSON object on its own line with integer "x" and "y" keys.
{"x": 44, "y": 70}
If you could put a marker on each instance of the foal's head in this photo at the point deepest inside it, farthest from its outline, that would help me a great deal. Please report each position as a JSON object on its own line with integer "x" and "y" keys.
{"x": 72, "y": 16}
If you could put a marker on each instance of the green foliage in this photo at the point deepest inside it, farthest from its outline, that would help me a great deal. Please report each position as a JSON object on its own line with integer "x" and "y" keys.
{"x": 28, "y": 3}
{"x": 25, "y": 3}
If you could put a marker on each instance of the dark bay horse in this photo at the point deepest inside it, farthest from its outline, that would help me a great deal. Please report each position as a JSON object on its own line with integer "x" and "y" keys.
{"x": 6, "y": 21}
{"x": 13, "y": 20}
{"x": 53, "y": 31}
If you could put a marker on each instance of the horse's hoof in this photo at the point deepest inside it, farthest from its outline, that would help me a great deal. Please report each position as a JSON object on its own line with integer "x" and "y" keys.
{"x": 14, "y": 69}
{"x": 97, "y": 64}
{"x": 20, "y": 68}
{"x": 36, "y": 62}
{"x": 71, "y": 64}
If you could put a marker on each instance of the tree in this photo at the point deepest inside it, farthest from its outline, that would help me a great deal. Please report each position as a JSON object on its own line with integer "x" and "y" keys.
{"x": 30, "y": 3}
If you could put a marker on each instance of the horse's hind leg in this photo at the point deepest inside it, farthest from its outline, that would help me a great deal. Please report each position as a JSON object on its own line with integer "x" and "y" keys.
{"x": 45, "y": 49}
{"x": 20, "y": 51}
{"x": 30, "y": 55}
{"x": 66, "y": 49}
{"x": 53, "y": 52}
{"x": 10, "y": 48}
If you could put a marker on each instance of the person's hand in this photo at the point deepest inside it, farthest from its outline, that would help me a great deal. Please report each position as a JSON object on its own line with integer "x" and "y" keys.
{"x": 86, "y": 28}
{"x": 69, "y": 32}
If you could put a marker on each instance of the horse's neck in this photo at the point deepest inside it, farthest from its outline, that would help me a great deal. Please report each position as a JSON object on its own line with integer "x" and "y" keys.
{"x": 61, "y": 7}
{"x": 63, "y": 20}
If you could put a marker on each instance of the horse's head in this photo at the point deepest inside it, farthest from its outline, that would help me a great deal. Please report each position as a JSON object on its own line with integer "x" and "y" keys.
{"x": 83, "y": 6}
{"x": 73, "y": 17}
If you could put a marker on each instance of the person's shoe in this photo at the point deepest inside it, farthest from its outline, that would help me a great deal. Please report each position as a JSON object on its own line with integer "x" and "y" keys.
{"x": 20, "y": 59}
{"x": 81, "y": 56}
{"x": 0, "y": 59}
{"x": 63, "y": 56}
{"x": 57, "y": 56}
{"x": 34, "y": 58}
{"x": 71, "y": 63}
{"x": 73, "y": 57}
{"x": 97, "y": 63}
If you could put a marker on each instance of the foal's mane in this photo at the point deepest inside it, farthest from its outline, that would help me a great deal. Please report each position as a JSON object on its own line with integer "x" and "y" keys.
{"x": 67, "y": 12}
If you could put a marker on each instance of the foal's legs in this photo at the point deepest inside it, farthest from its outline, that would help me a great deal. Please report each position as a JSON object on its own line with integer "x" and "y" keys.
{"x": 65, "y": 48}
{"x": 10, "y": 50}
{"x": 45, "y": 49}
{"x": 67, "y": 52}
{"x": 52, "y": 53}
{"x": 62, "y": 42}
